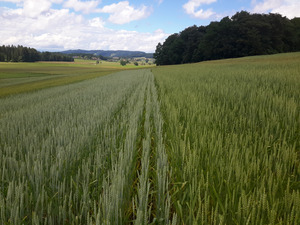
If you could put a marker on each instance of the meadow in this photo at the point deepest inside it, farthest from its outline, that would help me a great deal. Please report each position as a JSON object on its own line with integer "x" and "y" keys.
{"x": 216, "y": 142}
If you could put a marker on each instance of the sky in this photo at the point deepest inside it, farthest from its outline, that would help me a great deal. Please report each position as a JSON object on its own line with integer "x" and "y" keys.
{"x": 139, "y": 25}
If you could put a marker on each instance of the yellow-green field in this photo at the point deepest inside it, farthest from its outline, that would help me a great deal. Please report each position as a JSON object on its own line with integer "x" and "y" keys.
{"x": 23, "y": 77}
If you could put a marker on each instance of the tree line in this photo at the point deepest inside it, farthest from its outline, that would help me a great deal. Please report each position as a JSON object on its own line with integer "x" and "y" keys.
{"x": 19, "y": 53}
{"x": 243, "y": 34}
{"x": 87, "y": 56}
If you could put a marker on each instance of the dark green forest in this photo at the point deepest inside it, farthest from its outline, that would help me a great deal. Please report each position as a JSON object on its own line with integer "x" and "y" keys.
{"x": 25, "y": 54}
{"x": 243, "y": 34}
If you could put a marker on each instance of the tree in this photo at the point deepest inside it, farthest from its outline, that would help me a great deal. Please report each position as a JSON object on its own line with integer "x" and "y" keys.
{"x": 191, "y": 37}
{"x": 158, "y": 55}
{"x": 296, "y": 28}
{"x": 123, "y": 62}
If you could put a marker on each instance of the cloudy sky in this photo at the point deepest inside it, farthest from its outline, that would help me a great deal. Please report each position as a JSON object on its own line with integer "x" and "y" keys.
{"x": 56, "y": 25}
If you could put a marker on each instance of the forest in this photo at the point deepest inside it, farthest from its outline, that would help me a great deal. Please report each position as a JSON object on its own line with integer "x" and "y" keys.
{"x": 19, "y": 53}
{"x": 244, "y": 34}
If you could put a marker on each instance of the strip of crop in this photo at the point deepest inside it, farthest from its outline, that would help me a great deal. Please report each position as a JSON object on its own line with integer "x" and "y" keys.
{"x": 117, "y": 189}
{"x": 61, "y": 149}
{"x": 233, "y": 140}
{"x": 153, "y": 204}
{"x": 143, "y": 186}
{"x": 72, "y": 154}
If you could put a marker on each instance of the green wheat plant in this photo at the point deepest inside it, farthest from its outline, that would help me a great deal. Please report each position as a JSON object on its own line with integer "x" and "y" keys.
{"x": 233, "y": 143}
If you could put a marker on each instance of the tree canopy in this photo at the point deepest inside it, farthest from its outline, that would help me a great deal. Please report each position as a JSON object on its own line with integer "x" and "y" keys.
{"x": 25, "y": 54}
{"x": 243, "y": 34}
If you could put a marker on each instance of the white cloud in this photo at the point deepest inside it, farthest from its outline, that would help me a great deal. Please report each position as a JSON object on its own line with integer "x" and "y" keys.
{"x": 21, "y": 1}
{"x": 192, "y": 5}
{"x": 288, "y": 8}
{"x": 129, "y": 40}
{"x": 35, "y": 8}
{"x": 122, "y": 12}
{"x": 96, "y": 22}
{"x": 61, "y": 29}
{"x": 13, "y": 1}
{"x": 85, "y": 7}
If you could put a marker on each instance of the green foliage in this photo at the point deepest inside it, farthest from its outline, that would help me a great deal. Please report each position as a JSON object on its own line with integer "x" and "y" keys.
{"x": 243, "y": 34}
{"x": 84, "y": 55}
{"x": 123, "y": 62}
{"x": 24, "y": 54}
{"x": 53, "y": 56}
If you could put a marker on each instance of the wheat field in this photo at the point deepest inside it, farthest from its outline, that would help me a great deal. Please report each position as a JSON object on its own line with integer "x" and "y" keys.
{"x": 215, "y": 142}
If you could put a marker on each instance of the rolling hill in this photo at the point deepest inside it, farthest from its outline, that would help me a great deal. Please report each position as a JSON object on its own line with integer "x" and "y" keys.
{"x": 111, "y": 53}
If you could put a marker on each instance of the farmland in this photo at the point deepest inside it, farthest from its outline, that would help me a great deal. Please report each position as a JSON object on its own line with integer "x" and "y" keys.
{"x": 215, "y": 142}
{"x": 24, "y": 77}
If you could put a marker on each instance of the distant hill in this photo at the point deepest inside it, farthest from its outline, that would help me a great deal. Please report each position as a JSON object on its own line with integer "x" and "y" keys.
{"x": 111, "y": 53}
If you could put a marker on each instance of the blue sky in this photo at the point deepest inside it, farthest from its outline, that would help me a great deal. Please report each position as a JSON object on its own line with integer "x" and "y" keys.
{"x": 117, "y": 25}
